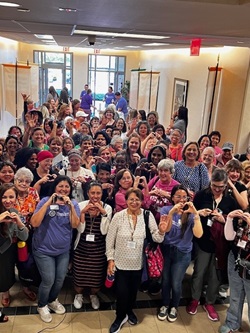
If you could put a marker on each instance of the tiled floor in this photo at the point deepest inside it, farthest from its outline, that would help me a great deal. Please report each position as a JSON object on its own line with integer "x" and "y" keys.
{"x": 23, "y": 317}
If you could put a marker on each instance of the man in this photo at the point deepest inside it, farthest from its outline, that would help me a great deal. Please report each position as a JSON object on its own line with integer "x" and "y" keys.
{"x": 121, "y": 104}
{"x": 226, "y": 155}
{"x": 84, "y": 92}
{"x": 81, "y": 116}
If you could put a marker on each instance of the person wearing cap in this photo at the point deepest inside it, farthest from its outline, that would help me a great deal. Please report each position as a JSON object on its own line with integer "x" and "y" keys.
{"x": 69, "y": 129}
{"x": 81, "y": 116}
{"x": 43, "y": 174}
{"x": 226, "y": 155}
{"x": 78, "y": 175}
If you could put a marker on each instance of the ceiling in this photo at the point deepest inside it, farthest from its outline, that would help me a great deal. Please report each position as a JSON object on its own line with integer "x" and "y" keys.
{"x": 216, "y": 22}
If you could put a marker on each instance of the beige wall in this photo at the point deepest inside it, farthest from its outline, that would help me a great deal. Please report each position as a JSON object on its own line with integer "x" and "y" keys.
{"x": 233, "y": 101}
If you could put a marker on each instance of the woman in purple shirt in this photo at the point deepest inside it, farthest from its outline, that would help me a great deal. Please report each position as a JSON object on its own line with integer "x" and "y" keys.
{"x": 183, "y": 222}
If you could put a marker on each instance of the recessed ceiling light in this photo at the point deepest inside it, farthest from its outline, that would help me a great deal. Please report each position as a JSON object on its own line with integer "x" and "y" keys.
{"x": 67, "y": 10}
{"x": 9, "y": 4}
{"x": 47, "y": 41}
{"x": 239, "y": 42}
{"x": 117, "y": 34}
{"x": 44, "y": 36}
{"x": 156, "y": 44}
{"x": 25, "y": 10}
{"x": 133, "y": 47}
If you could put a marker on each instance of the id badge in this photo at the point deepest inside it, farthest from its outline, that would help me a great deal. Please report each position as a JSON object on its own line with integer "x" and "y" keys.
{"x": 54, "y": 207}
{"x": 131, "y": 244}
{"x": 209, "y": 223}
{"x": 241, "y": 243}
{"x": 90, "y": 238}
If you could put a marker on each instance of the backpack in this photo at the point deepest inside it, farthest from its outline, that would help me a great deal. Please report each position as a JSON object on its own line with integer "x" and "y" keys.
{"x": 154, "y": 257}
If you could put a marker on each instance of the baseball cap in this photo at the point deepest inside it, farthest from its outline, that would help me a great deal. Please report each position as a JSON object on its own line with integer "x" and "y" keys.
{"x": 227, "y": 146}
{"x": 81, "y": 114}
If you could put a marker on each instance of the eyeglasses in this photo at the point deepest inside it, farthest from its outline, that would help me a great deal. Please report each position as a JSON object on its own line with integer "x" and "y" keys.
{"x": 218, "y": 187}
{"x": 26, "y": 181}
{"x": 179, "y": 197}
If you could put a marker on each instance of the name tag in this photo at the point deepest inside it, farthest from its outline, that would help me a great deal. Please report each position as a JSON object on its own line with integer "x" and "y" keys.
{"x": 241, "y": 243}
{"x": 90, "y": 238}
{"x": 209, "y": 223}
{"x": 131, "y": 244}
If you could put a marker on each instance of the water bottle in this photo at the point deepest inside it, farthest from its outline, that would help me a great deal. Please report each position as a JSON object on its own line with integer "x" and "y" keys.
{"x": 22, "y": 251}
{"x": 109, "y": 281}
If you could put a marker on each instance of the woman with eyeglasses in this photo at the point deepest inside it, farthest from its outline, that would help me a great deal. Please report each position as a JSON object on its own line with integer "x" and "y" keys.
{"x": 27, "y": 200}
{"x": 183, "y": 223}
{"x": 211, "y": 250}
{"x": 124, "y": 251}
{"x": 89, "y": 260}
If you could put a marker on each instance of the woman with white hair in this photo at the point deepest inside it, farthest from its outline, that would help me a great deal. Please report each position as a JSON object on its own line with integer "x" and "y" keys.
{"x": 207, "y": 158}
{"x": 160, "y": 187}
{"x": 27, "y": 200}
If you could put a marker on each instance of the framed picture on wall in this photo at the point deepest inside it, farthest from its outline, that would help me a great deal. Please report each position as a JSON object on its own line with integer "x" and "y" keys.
{"x": 179, "y": 94}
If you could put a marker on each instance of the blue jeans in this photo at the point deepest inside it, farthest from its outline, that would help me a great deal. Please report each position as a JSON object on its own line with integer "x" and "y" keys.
{"x": 239, "y": 289}
{"x": 175, "y": 266}
{"x": 53, "y": 271}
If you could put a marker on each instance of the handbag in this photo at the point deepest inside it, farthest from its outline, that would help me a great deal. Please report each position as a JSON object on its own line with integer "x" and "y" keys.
{"x": 154, "y": 257}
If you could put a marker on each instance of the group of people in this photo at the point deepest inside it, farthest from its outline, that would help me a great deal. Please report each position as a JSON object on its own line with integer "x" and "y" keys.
{"x": 75, "y": 190}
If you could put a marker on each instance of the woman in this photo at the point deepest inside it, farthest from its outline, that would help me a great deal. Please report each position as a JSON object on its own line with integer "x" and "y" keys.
{"x": 207, "y": 158}
{"x": 124, "y": 251}
{"x": 16, "y": 131}
{"x": 234, "y": 170}
{"x": 101, "y": 139}
{"x": 64, "y": 112}
{"x": 124, "y": 180}
{"x": 246, "y": 175}
{"x": 183, "y": 223}
{"x": 237, "y": 230}
{"x": 7, "y": 171}
{"x": 109, "y": 97}
{"x": 160, "y": 188}
{"x": 67, "y": 145}
{"x": 133, "y": 151}
{"x": 120, "y": 162}
{"x": 26, "y": 157}
{"x": 148, "y": 166}
{"x": 86, "y": 149}
{"x": 75, "y": 106}
{"x": 180, "y": 120}
{"x": 89, "y": 261}
{"x": 121, "y": 125}
{"x": 87, "y": 103}
{"x": 43, "y": 174}
{"x": 143, "y": 129}
{"x": 37, "y": 139}
{"x": 78, "y": 175}
{"x": 116, "y": 145}
{"x": 152, "y": 119}
{"x": 108, "y": 119}
{"x": 213, "y": 205}
{"x": 189, "y": 172}
{"x": 160, "y": 130}
{"x": 27, "y": 200}
{"x": 203, "y": 142}
{"x": 105, "y": 154}
{"x": 175, "y": 146}
{"x": 11, "y": 146}
{"x": 11, "y": 228}
{"x": 53, "y": 220}
{"x": 52, "y": 94}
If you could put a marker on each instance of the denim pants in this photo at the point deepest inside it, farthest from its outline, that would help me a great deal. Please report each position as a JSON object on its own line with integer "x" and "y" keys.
{"x": 175, "y": 266}
{"x": 53, "y": 271}
{"x": 239, "y": 289}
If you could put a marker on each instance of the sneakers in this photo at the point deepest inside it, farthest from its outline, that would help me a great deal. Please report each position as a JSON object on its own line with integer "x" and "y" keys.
{"x": 57, "y": 307}
{"x": 172, "y": 315}
{"x": 95, "y": 303}
{"x": 211, "y": 313}
{"x": 45, "y": 314}
{"x": 192, "y": 307}
{"x": 132, "y": 319}
{"x": 78, "y": 301}
{"x": 163, "y": 313}
{"x": 117, "y": 325}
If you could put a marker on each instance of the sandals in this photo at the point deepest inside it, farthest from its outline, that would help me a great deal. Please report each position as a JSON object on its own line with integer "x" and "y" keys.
{"x": 6, "y": 302}
{"x": 30, "y": 295}
{"x": 3, "y": 318}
